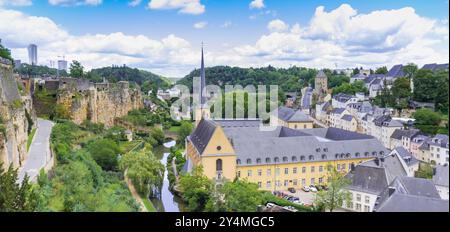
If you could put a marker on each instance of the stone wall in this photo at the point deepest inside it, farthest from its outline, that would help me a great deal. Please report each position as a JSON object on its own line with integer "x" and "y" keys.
{"x": 99, "y": 103}
{"x": 13, "y": 110}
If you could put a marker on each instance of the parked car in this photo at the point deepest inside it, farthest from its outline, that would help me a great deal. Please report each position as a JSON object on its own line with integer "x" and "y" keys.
{"x": 306, "y": 188}
{"x": 290, "y": 208}
{"x": 312, "y": 188}
{"x": 298, "y": 202}
{"x": 292, "y": 199}
{"x": 291, "y": 190}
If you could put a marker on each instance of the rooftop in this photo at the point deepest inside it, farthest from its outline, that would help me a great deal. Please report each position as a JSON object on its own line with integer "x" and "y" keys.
{"x": 441, "y": 175}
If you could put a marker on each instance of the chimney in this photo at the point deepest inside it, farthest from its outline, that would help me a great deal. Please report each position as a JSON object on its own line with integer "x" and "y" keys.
{"x": 377, "y": 161}
{"x": 391, "y": 191}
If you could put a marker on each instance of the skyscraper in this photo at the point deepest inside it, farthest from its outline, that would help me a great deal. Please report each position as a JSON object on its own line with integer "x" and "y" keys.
{"x": 32, "y": 54}
{"x": 62, "y": 65}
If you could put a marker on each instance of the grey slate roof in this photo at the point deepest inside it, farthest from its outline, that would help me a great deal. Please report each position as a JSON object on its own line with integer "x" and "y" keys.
{"x": 338, "y": 110}
{"x": 202, "y": 134}
{"x": 299, "y": 146}
{"x": 390, "y": 163}
{"x": 409, "y": 194}
{"x": 290, "y": 115}
{"x": 239, "y": 122}
{"x": 406, "y": 156}
{"x": 386, "y": 121}
{"x": 399, "y": 133}
{"x": 441, "y": 176}
{"x": 347, "y": 117}
{"x": 440, "y": 140}
{"x": 435, "y": 67}
{"x": 396, "y": 71}
{"x": 326, "y": 106}
{"x": 367, "y": 179}
{"x": 342, "y": 97}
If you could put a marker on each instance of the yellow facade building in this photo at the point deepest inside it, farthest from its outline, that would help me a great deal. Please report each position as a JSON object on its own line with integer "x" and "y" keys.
{"x": 275, "y": 160}
{"x": 288, "y": 117}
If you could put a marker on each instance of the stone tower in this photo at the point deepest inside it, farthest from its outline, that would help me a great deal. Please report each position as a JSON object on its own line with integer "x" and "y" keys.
{"x": 202, "y": 110}
{"x": 321, "y": 84}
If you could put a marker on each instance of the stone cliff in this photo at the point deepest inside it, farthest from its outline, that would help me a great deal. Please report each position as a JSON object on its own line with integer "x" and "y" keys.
{"x": 16, "y": 119}
{"x": 97, "y": 102}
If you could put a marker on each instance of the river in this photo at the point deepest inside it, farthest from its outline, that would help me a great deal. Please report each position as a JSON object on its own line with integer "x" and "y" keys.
{"x": 168, "y": 202}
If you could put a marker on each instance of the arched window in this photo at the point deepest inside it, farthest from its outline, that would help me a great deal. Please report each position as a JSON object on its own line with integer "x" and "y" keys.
{"x": 342, "y": 155}
{"x": 285, "y": 159}
{"x": 347, "y": 155}
{"x": 381, "y": 152}
{"x": 258, "y": 161}
{"x": 238, "y": 161}
{"x": 374, "y": 153}
{"x": 294, "y": 158}
{"x": 366, "y": 153}
{"x": 267, "y": 160}
{"x": 311, "y": 157}
{"x": 219, "y": 165}
{"x": 249, "y": 161}
{"x": 336, "y": 155}
{"x": 324, "y": 157}
{"x": 357, "y": 154}
{"x": 302, "y": 157}
{"x": 276, "y": 160}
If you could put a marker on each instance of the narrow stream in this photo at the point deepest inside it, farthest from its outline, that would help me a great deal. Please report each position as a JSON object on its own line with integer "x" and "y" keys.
{"x": 168, "y": 201}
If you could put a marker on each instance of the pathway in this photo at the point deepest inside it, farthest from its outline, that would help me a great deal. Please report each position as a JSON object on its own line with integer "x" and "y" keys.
{"x": 39, "y": 155}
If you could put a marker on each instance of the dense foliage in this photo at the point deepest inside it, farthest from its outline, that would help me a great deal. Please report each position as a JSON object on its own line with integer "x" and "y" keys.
{"x": 432, "y": 87}
{"x": 39, "y": 70}
{"x": 5, "y": 53}
{"x": 347, "y": 88}
{"x": 429, "y": 121}
{"x": 336, "y": 194}
{"x": 14, "y": 196}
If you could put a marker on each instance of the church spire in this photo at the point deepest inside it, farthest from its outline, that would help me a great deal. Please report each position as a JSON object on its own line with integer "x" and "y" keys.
{"x": 202, "y": 81}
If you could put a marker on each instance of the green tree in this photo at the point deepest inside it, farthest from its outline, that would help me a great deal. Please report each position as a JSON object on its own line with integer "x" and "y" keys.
{"x": 425, "y": 171}
{"x": 158, "y": 135}
{"x": 105, "y": 153}
{"x": 185, "y": 130}
{"x": 5, "y": 53}
{"x": 76, "y": 69}
{"x": 410, "y": 70}
{"x": 15, "y": 197}
{"x": 196, "y": 189}
{"x": 381, "y": 70}
{"x": 144, "y": 170}
{"x": 427, "y": 117}
{"x": 237, "y": 196}
{"x": 336, "y": 194}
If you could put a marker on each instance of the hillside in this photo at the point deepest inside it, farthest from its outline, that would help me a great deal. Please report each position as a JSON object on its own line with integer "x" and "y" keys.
{"x": 291, "y": 79}
{"x": 146, "y": 79}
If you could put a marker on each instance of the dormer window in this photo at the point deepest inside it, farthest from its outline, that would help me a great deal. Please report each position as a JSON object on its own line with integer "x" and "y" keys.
{"x": 357, "y": 154}
{"x": 249, "y": 161}
{"x": 302, "y": 157}
{"x": 238, "y": 161}
{"x": 294, "y": 158}
{"x": 311, "y": 157}
{"x": 324, "y": 157}
{"x": 374, "y": 153}
{"x": 285, "y": 159}
{"x": 276, "y": 160}
{"x": 267, "y": 160}
{"x": 258, "y": 161}
{"x": 366, "y": 153}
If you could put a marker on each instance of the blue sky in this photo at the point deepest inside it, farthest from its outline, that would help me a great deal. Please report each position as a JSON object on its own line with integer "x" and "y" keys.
{"x": 162, "y": 36}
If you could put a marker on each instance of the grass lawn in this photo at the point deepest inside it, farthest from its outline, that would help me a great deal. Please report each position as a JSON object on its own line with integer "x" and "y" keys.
{"x": 30, "y": 138}
{"x": 148, "y": 204}
{"x": 174, "y": 129}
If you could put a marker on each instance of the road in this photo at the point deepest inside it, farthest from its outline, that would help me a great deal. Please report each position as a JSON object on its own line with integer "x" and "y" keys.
{"x": 306, "y": 99}
{"x": 39, "y": 154}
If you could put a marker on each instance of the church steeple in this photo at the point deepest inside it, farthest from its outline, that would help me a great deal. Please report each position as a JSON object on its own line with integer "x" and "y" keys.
{"x": 202, "y": 81}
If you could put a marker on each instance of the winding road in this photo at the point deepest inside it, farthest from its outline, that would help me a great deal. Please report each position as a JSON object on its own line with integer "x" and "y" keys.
{"x": 39, "y": 154}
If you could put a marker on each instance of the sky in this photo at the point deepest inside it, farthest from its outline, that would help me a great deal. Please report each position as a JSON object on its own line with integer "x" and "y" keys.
{"x": 165, "y": 36}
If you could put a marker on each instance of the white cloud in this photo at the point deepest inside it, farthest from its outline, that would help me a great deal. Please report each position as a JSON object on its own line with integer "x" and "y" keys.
{"x": 134, "y": 3}
{"x": 184, "y": 6}
{"x": 226, "y": 24}
{"x": 74, "y": 2}
{"x": 257, "y": 4}
{"x": 200, "y": 25}
{"x": 277, "y": 25}
{"x": 16, "y": 2}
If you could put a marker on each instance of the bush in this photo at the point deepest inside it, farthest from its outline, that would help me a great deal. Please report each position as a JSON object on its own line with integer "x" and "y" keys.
{"x": 105, "y": 153}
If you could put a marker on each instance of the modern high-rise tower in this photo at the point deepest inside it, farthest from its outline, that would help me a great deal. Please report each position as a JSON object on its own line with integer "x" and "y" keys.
{"x": 62, "y": 65}
{"x": 32, "y": 54}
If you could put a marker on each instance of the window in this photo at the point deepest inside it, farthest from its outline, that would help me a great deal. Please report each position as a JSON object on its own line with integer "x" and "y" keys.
{"x": 294, "y": 182}
{"x": 259, "y": 184}
{"x": 320, "y": 168}
{"x": 285, "y": 159}
{"x": 238, "y": 161}
{"x": 294, "y": 158}
{"x": 249, "y": 161}
{"x": 343, "y": 167}
{"x": 302, "y": 157}
{"x": 312, "y": 169}
{"x": 358, "y": 207}
{"x": 249, "y": 173}
{"x": 277, "y": 171}
{"x": 358, "y": 197}
{"x": 286, "y": 183}
{"x": 324, "y": 157}
{"x": 258, "y": 161}
{"x": 366, "y": 208}
{"x": 320, "y": 180}
{"x": 239, "y": 174}
{"x": 294, "y": 170}
{"x": 367, "y": 199}
{"x": 277, "y": 183}
{"x": 219, "y": 165}
{"x": 219, "y": 148}
{"x": 338, "y": 167}
{"x": 268, "y": 184}
{"x": 267, "y": 160}
{"x": 311, "y": 157}
{"x": 303, "y": 182}
{"x": 303, "y": 169}
{"x": 269, "y": 172}
{"x": 259, "y": 172}
{"x": 276, "y": 160}
{"x": 357, "y": 154}
{"x": 313, "y": 181}
{"x": 286, "y": 171}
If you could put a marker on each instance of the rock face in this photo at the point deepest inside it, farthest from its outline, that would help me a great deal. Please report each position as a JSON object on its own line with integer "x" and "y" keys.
{"x": 17, "y": 118}
{"x": 100, "y": 102}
